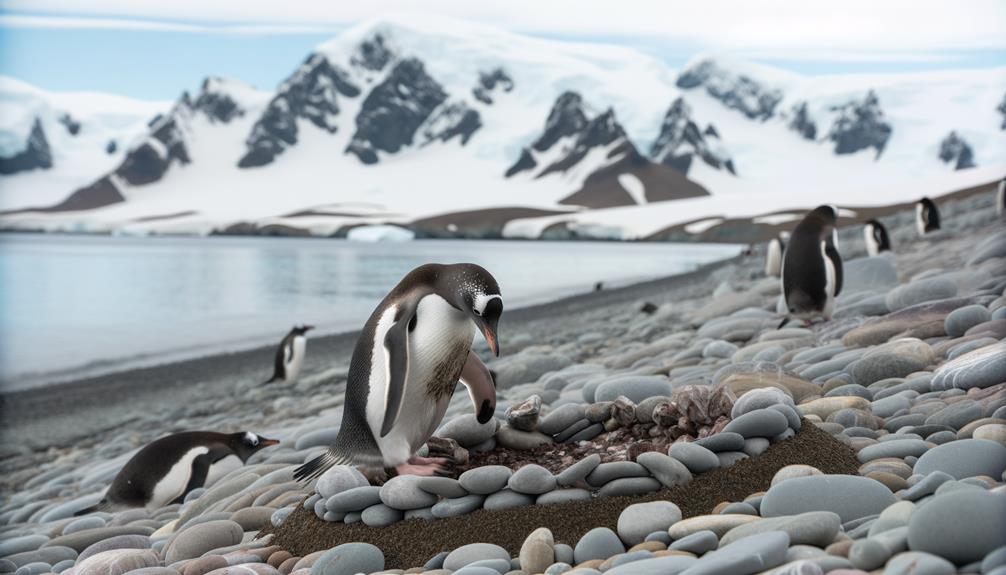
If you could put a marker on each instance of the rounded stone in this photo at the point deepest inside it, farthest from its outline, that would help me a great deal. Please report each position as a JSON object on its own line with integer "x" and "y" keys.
{"x": 118, "y": 542}
{"x": 719, "y": 525}
{"x": 760, "y": 398}
{"x": 507, "y": 499}
{"x": 467, "y": 554}
{"x": 524, "y": 415}
{"x": 613, "y": 470}
{"x": 598, "y": 543}
{"x": 116, "y": 562}
{"x": 696, "y": 458}
{"x": 457, "y": 506}
{"x": 485, "y": 480}
{"x": 532, "y": 479}
{"x": 442, "y": 486}
{"x": 794, "y": 471}
{"x": 900, "y": 448}
{"x": 338, "y": 479}
{"x": 724, "y": 441}
{"x": 561, "y": 418}
{"x": 964, "y": 318}
{"x": 537, "y": 553}
{"x": 699, "y": 542}
{"x": 349, "y": 559}
{"x": 962, "y": 526}
{"x": 964, "y": 458}
{"x": 850, "y": 496}
{"x": 467, "y": 431}
{"x": 983, "y": 367}
{"x": 355, "y": 499}
{"x": 403, "y": 492}
{"x": 635, "y": 387}
{"x": 668, "y": 470}
{"x": 629, "y": 486}
{"x": 758, "y": 423}
{"x": 202, "y": 537}
{"x": 380, "y": 515}
{"x": 920, "y": 291}
{"x": 564, "y": 496}
{"x": 578, "y": 472}
{"x": 817, "y": 528}
{"x": 639, "y": 520}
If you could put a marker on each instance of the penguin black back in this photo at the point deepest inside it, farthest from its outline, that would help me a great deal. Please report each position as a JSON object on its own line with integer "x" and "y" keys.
{"x": 285, "y": 353}
{"x": 927, "y": 216}
{"x": 810, "y": 252}
{"x": 877, "y": 240}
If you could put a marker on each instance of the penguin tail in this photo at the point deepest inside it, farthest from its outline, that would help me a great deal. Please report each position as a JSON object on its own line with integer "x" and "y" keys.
{"x": 102, "y": 505}
{"x": 319, "y": 465}
{"x": 785, "y": 321}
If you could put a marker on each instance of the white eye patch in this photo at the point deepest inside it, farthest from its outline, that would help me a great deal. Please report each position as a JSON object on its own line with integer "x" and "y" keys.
{"x": 251, "y": 438}
{"x": 482, "y": 300}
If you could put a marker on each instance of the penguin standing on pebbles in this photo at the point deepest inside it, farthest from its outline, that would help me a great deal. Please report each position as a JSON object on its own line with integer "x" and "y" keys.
{"x": 927, "y": 216}
{"x": 408, "y": 359}
{"x": 812, "y": 266}
{"x": 876, "y": 238}
{"x": 165, "y": 470}
{"x": 773, "y": 254}
{"x": 290, "y": 355}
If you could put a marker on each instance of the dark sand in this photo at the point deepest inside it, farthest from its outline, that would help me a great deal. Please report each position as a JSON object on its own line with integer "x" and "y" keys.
{"x": 411, "y": 543}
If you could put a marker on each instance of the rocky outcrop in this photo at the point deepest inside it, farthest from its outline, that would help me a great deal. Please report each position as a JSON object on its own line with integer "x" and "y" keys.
{"x": 1001, "y": 108}
{"x": 394, "y": 110}
{"x": 954, "y": 150}
{"x": 216, "y": 103}
{"x": 164, "y": 145}
{"x": 488, "y": 82}
{"x": 35, "y": 156}
{"x": 566, "y": 119}
{"x": 801, "y": 122}
{"x": 310, "y": 94}
{"x": 735, "y": 91}
{"x": 681, "y": 140}
{"x": 453, "y": 119}
{"x": 860, "y": 125}
{"x": 111, "y": 147}
{"x": 372, "y": 54}
{"x": 72, "y": 126}
{"x": 600, "y": 132}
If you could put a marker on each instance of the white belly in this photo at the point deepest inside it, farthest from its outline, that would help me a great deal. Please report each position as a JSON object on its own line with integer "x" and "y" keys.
{"x": 872, "y": 247}
{"x": 920, "y": 223}
{"x": 292, "y": 365}
{"x": 440, "y": 331}
{"x": 221, "y": 468}
{"x": 773, "y": 259}
{"x": 829, "y": 287}
{"x": 175, "y": 480}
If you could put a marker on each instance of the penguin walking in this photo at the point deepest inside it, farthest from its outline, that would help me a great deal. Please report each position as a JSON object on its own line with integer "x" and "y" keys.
{"x": 773, "y": 255}
{"x": 927, "y": 216}
{"x": 876, "y": 238}
{"x": 166, "y": 469}
{"x": 408, "y": 359}
{"x": 812, "y": 266}
{"x": 290, "y": 355}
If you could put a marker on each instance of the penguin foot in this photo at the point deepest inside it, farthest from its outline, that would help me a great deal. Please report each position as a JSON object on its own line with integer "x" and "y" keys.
{"x": 424, "y": 466}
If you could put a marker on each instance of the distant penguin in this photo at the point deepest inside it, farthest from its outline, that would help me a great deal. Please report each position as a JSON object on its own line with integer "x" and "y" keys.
{"x": 812, "y": 266}
{"x": 927, "y": 216}
{"x": 876, "y": 238}
{"x": 1001, "y": 197}
{"x": 407, "y": 361}
{"x": 290, "y": 355}
{"x": 166, "y": 469}
{"x": 773, "y": 256}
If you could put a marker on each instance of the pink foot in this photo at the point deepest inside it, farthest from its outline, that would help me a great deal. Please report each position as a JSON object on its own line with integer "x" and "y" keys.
{"x": 425, "y": 466}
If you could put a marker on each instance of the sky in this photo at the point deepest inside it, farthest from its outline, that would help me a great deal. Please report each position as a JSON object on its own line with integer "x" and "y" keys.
{"x": 155, "y": 49}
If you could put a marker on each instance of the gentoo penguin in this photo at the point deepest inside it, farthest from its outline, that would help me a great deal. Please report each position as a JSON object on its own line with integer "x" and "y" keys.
{"x": 927, "y": 216}
{"x": 290, "y": 355}
{"x": 166, "y": 469}
{"x": 812, "y": 266}
{"x": 1001, "y": 197}
{"x": 876, "y": 238}
{"x": 773, "y": 256}
{"x": 408, "y": 359}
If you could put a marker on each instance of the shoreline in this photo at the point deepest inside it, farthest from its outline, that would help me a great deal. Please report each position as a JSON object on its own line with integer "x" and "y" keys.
{"x": 72, "y": 410}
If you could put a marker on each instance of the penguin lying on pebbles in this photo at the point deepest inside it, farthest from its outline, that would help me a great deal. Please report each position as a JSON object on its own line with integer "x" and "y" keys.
{"x": 812, "y": 266}
{"x": 290, "y": 355}
{"x": 876, "y": 238}
{"x": 927, "y": 216}
{"x": 408, "y": 359}
{"x": 166, "y": 469}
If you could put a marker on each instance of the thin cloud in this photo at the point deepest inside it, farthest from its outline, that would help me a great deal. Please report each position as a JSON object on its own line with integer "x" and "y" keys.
{"x": 77, "y": 23}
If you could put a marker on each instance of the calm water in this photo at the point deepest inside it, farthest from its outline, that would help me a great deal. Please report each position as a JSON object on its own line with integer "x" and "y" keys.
{"x": 71, "y": 305}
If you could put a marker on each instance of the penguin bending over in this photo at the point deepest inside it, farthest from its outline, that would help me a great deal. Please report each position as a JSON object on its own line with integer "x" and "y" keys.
{"x": 876, "y": 238}
{"x": 165, "y": 470}
{"x": 290, "y": 355}
{"x": 927, "y": 216}
{"x": 408, "y": 359}
{"x": 812, "y": 266}
{"x": 773, "y": 255}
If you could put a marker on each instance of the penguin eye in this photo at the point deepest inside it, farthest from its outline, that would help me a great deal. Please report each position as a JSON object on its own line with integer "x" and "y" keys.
{"x": 476, "y": 312}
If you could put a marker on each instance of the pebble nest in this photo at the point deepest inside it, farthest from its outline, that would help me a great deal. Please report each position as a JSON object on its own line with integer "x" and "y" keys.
{"x": 412, "y": 542}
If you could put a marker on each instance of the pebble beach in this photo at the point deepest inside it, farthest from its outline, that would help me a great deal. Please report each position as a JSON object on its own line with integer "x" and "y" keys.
{"x": 662, "y": 428}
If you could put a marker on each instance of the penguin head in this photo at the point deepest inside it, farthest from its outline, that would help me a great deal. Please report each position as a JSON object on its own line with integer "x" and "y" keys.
{"x": 826, "y": 214}
{"x": 301, "y": 329}
{"x": 245, "y": 443}
{"x": 474, "y": 291}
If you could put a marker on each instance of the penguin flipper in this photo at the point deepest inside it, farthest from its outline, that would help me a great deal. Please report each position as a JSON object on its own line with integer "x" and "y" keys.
{"x": 319, "y": 465}
{"x": 396, "y": 347}
{"x": 481, "y": 387}
{"x": 836, "y": 259}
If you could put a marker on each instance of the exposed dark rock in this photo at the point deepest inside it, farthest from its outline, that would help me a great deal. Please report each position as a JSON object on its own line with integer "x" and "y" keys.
{"x": 526, "y": 161}
{"x": 953, "y": 149}
{"x": 737, "y": 92}
{"x": 860, "y": 125}
{"x": 599, "y": 132}
{"x": 216, "y": 104}
{"x": 565, "y": 119}
{"x": 372, "y": 54}
{"x": 680, "y": 140}
{"x": 802, "y": 123}
{"x": 1001, "y": 108}
{"x": 394, "y": 110}
{"x": 450, "y": 120}
{"x": 35, "y": 156}
{"x": 488, "y": 82}
{"x": 310, "y": 93}
{"x": 102, "y": 193}
{"x": 111, "y": 147}
{"x": 72, "y": 126}
{"x": 165, "y": 144}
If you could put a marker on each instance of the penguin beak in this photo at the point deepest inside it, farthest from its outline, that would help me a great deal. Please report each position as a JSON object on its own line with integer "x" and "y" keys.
{"x": 263, "y": 442}
{"x": 308, "y": 327}
{"x": 487, "y": 323}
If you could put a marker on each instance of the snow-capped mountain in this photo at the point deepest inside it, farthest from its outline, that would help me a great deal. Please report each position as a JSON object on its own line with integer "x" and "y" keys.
{"x": 53, "y": 143}
{"x": 460, "y": 129}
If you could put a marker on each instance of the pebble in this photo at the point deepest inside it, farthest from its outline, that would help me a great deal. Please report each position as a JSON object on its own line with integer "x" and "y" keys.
{"x": 457, "y": 506}
{"x": 442, "y": 486}
{"x": 962, "y": 526}
{"x": 198, "y": 539}
{"x": 728, "y": 458}
{"x": 794, "y": 471}
{"x": 918, "y": 563}
{"x": 338, "y": 479}
{"x": 356, "y": 499}
{"x": 698, "y": 542}
{"x": 872, "y": 552}
{"x": 403, "y": 492}
{"x": 758, "y": 423}
{"x": 536, "y": 553}
{"x": 759, "y": 399}
{"x": 561, "y": 418}
{"x": 532, "y": 479}
{"x": 980, "y": 368}
{"x": 635, "y": 387}
{"x": 749, "y": 555}
{"x": 850, "y": 496}
{"x": 485, "y": 480}
{"x": 817, "y": 528}
{"x": 524, "y": 415}
{"x": 629, "y": 486}
{"x": 117, "y": 562}
{"x": 899, "y": 448}
{"x": 598, "y": 543}
{"x": 380, "y": 515}
{"x": 640, "y": 519}
{"x": 964, "y": 318}
{"x": 506, "y": 499}
{"x": 718, "y": 524}
{"x": 724, "y": 441}
{"x": 118, "y": 542}
{"x": 467, "y": 431}
{"x": 896, "y": 359}
{"x": 655, "y": 566}
{"x": 523, "y": 440}
{"x": 667, "y": 470}
{"x": 564, "y": 496}
{"x": 467, "y": 554}
{"x": 825, "y": 406}
{"x": 920, "y": 291}
{"x": 964, "y": 458}
{"x": 349, "y": 559}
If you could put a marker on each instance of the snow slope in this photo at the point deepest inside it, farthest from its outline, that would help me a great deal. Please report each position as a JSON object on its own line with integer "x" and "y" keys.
{"x": 76, "y": 159}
